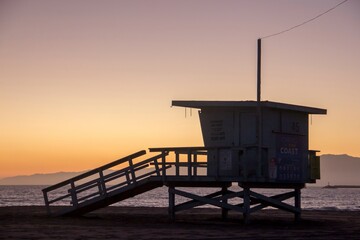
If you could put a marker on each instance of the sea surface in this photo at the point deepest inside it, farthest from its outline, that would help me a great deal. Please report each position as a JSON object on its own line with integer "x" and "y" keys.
{"x": 312, "y": 197}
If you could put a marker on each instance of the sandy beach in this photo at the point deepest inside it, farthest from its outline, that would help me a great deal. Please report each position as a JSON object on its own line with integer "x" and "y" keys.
{"x": 153, "y": 223}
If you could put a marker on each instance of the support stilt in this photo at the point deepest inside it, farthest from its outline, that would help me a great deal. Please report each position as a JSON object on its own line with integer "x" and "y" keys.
{"x": 297, "y": 198}
{"x": 246, "y": 206}
{"x": 171, "y": 204}
{"x": 224, "y": 211}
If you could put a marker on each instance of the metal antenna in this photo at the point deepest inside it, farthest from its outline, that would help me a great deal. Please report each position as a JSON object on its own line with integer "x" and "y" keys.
{"x": 259, "y": 70}
{"x": 259, "y": 158}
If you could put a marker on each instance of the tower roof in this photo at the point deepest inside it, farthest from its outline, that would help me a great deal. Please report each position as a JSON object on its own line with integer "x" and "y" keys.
{"x": 247, "y": 104}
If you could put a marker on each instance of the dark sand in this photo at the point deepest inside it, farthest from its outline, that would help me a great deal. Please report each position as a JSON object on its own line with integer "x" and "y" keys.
{"x": 153, "y": 223}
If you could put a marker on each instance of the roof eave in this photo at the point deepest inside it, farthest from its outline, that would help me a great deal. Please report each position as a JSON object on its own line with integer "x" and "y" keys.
{"x": 245, "y": 104}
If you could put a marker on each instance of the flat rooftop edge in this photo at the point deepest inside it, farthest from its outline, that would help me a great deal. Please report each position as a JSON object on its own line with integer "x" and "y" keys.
{"x": 246, "y": 104}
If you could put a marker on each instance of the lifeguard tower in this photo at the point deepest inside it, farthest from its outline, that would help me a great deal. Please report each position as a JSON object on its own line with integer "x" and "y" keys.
{"x": 247, "y": 145}
{"x": 259, "y": 146}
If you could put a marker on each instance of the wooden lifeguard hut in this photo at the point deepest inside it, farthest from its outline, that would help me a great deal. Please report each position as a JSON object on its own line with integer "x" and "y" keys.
{"x": 267, "y": 148}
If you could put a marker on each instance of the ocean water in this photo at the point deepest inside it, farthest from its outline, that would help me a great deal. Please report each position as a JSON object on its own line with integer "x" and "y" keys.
{"x": 312, "y": 197}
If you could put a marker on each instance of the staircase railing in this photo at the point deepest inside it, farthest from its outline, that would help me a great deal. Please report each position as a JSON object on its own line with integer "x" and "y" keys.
{"x": 184, "y": 162}
{"x": 100, "y": 182}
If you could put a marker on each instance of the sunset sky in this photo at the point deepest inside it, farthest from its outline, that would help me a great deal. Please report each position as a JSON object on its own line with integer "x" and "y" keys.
{"x": 84, "y": 82}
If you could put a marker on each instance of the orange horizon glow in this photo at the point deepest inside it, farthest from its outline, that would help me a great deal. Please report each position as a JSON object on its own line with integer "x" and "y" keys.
{"x": 83, "y": 83}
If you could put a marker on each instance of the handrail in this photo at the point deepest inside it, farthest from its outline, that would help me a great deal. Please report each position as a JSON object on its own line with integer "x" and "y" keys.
{"x": 94, "y": 171}
{"x": 185, "y": 149}
{"x": 185, "y": 164}
{"x": 97, "y": 185}
{"x": 191, "y": 164}
{"x": 106, "y": 178}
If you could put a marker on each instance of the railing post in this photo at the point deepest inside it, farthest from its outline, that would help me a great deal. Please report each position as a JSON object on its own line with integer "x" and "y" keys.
{"x": 47, "y": 205}
{"x": 102, "y": 186}
{"x": 163, "y": 161}
{"x": 177, "y": 162}
{"x": 217, "y": 162}
{"x": 156, "y": 163}
{"x": 195, "y": 163}
{"x": 189, "y": 163}
{"x": 128, "y": 180}
{"x": 73, "y": 194}
{"x": 131, "y": 165}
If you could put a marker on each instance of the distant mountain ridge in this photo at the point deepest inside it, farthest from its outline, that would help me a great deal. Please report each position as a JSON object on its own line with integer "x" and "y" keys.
{"x": 335, "y": 170}
{"x": 39, "y": 178}
{"x": 339, "y": 170}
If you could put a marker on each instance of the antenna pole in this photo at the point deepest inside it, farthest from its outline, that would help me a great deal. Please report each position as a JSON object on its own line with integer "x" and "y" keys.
{"x": 260, "y": 137}
{"x": 259, "y": 70}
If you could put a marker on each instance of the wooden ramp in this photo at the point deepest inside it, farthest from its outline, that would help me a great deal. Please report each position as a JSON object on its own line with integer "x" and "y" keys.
{"x": 104, "y": 186}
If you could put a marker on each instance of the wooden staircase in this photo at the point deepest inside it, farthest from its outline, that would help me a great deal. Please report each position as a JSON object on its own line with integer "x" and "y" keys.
{"x": 104, "y": 186}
